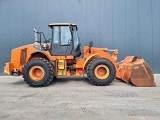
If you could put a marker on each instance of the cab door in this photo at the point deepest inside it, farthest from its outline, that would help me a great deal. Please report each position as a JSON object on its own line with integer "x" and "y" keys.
{"x": 61, "y": 44}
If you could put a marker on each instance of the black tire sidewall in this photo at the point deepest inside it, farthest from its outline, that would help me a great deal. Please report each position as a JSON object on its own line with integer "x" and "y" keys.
{"x": 47, "y": 75}
{"x": 94, "y": 64}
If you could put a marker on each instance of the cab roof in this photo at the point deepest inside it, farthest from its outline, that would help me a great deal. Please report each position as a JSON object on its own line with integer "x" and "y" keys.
{"x": 61, "y": 24}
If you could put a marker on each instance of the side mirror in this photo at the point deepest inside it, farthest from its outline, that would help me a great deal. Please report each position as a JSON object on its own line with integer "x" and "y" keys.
{"x": 34, "y": 29}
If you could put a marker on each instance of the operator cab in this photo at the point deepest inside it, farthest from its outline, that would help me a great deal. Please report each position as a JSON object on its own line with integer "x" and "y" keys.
{"x": 65, "y": 40}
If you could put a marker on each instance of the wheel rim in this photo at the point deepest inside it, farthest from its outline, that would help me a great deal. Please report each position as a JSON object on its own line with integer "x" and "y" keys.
{"x": 101, "y": 72}
{"x": 36, "y": 73}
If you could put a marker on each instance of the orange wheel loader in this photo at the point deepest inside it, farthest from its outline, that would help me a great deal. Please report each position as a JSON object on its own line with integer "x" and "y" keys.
{"x": 43, "y": 61}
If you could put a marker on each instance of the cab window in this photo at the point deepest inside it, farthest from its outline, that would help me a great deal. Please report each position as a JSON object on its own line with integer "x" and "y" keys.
{"x": 61, "y": 35}
{"x": 65, "y": 35}
{"x": 56, "y": 34}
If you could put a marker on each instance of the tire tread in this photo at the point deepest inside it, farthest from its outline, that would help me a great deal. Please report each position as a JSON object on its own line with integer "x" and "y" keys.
{"x": 45, "y": 62}
{"x": 90, "y": 75}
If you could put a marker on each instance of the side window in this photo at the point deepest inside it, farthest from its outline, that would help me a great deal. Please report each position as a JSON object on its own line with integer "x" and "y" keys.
{"x": 56, "y": 34}
{"x": 65, "y": 35}
{"x": 75, "y": 38}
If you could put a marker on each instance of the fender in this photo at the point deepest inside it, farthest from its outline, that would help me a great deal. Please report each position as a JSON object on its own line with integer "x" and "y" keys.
{"x": 39, "y": 54}
{"x": 90, "y": 58}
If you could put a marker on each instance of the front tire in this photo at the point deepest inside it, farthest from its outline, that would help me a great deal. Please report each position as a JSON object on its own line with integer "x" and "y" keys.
{"x": 101, "y": 71}
{"x": 38, "y": 72}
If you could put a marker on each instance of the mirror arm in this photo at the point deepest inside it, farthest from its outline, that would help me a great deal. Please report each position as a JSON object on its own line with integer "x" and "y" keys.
{"x": 44, "y": 36}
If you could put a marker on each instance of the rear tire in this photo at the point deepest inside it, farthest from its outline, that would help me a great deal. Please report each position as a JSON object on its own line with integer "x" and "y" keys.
{"x": 38, "y": 72}
{"x": 101, "y": 71}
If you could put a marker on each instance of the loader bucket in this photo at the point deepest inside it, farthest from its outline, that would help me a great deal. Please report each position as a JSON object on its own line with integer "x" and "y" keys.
{"x": 136, "y": 70}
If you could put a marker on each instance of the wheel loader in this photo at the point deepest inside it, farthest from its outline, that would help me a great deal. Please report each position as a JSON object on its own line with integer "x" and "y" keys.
{"x": 45, "y": 60}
